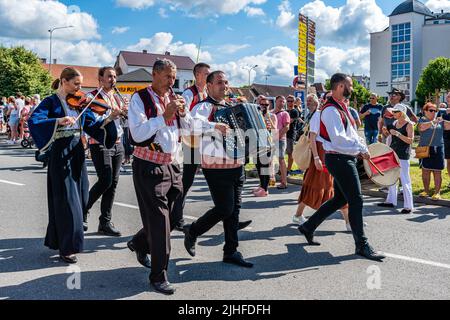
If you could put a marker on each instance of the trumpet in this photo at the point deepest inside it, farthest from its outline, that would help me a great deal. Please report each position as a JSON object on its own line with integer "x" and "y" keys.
{"x": 124, "y": 113}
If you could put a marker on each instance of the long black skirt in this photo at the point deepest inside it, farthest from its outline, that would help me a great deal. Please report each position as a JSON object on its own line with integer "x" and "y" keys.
{"x": 68, "y": 193}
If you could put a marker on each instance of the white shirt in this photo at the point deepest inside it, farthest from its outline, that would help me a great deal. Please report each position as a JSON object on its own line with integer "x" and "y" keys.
{"x": 208, "y": 146}
{"x": 188, "y": 96}
{"x": 112, "y": 101}
{"x": 343, "y": 141}
{"x": 20, "y": 104}
{"x": 314, "y": 125}
{"x": 142, "y": 129}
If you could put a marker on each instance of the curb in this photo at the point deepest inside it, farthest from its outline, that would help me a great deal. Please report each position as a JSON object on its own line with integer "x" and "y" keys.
{"x": 366, "y": 192}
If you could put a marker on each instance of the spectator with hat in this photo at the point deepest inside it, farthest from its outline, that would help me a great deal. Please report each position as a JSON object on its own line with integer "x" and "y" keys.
{"x": 387, "y": 118}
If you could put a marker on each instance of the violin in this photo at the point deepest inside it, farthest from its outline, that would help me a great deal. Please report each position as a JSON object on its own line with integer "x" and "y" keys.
{"x": 79, "y": 101}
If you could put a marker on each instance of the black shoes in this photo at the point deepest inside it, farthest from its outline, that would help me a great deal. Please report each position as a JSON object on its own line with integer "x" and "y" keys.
{"x": 386, "y": 205}
{"x": 108, "y": 229}
{"x": 189, "y": 241}
{"x": 309, "y": 236}
{"x": 406, "y": 211}
{"x": 164, "y": 287}
{"x": 142, "y": 257}
{"x": 244, "y": 224}
{"x": 180, "y": 225}
{"x": 237, "y": 259}
{"x": 85, "y": 226}
{"x": 367, "y": 251}
{"x": 69, "y": 259}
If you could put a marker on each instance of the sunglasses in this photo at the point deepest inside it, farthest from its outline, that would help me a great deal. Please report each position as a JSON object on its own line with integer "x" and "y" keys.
{"x": 264, "y": 105}
{"x": 431, "y": 110}
{"x": 290, "y": 101}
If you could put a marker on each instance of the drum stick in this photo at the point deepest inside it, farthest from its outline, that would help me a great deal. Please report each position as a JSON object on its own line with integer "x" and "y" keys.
{"x": 376, "y": 168}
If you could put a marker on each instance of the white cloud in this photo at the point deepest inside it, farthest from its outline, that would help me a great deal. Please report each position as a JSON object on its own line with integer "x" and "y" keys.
{"x": 33, "y": 18}
{"x": 163, "y": 41}
{"x": 135, "y": 4}
{"x": 254, "y": 12}
{"x": 438, "y": 5}
{"x": 163, "y": 13}
{"x": 286, "y": 20}
{"x": 120, "y": 30}
{"x": 330, "y": 60}
{"x": 278, "y": 62}
{"x": 82, "y": 53}
{"x": 349, "y": 24}
{"x": 232, "y": 48}
{"x": 230, "y": 28}
{"x": 195, "y": 8}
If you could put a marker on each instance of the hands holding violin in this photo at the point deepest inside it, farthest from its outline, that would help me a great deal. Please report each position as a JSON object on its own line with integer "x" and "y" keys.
{"x": 66, "y": 121}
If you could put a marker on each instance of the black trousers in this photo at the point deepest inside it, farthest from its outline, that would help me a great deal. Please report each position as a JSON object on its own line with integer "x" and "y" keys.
{"x": 263, "y": 168}
{"x": 347, "y": 189}
{"x": 157, "y": 188}
{"x": 226, "y": 191}
{"x": 190, "y": 167}
{"x": 107, "y": 163}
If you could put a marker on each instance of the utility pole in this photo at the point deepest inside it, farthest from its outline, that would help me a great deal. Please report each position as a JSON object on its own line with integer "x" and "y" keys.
{"x": 250, "y": 68}
{"x": 51, "y": 35}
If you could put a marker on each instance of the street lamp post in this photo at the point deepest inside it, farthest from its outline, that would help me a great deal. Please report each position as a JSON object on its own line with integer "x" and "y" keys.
{"x": 267, "y": 76}
{"x": 250, "y": 68}
{"x": 51, "y": 35}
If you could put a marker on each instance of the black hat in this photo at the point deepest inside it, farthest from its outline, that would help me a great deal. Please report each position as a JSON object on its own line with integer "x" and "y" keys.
{"x": 402, "y": 95}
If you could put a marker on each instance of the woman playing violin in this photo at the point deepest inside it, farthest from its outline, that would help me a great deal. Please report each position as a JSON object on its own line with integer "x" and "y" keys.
{"x": 57, "y": 127}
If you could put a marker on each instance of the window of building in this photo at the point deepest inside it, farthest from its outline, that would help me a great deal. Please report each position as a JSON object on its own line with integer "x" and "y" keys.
{"x": 401, "y": 56}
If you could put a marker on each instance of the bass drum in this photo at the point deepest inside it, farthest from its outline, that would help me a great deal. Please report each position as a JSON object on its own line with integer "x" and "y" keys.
{"x": 386, "y": 160}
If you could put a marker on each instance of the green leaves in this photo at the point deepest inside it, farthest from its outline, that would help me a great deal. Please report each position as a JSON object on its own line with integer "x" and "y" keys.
{"x": 21, "y": 70}
{"x": 435, "y": 77}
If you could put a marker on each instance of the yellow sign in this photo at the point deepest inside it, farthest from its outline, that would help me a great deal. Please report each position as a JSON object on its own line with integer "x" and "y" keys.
{"x": 302, "y": 44}
{"x": 129, "y": 89}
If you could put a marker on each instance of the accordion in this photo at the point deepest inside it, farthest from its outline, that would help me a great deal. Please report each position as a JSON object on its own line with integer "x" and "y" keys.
{"x": 249, "y": 134}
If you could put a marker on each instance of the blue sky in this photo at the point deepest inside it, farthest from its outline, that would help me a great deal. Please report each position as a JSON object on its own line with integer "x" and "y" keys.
{"x": 234, "y": 33}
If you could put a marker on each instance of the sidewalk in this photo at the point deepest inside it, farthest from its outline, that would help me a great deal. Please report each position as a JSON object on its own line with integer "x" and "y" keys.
{"x": 367, "y": 192}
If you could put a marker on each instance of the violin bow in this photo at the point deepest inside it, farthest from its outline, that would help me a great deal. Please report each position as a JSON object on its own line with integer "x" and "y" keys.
{"x": 88, "y": 105}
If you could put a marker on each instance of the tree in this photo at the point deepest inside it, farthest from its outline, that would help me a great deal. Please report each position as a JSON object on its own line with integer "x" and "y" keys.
{"x": 435, "y": 77}
{"x": 21, "y": 70}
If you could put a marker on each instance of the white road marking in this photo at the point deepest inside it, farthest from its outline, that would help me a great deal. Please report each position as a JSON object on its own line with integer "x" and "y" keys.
{"x": 421, "y": 261}
{"x": 125, "y": 205}
{"x": 390, "y": 255}
{"x": 13, "y": 183}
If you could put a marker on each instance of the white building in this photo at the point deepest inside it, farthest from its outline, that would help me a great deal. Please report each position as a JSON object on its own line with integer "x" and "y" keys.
{"x": 399, "y": 53}
{"x": 128, "y": 62}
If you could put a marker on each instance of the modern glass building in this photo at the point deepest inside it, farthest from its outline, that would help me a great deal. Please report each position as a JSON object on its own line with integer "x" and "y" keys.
{"x": 399, "y": 53}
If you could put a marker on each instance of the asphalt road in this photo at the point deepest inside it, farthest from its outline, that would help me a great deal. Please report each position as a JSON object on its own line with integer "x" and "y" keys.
{"x": 417, "y": 245}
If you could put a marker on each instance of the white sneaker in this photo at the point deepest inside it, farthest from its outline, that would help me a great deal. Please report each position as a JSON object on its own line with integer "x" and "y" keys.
{"x": 299, "y": 220}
